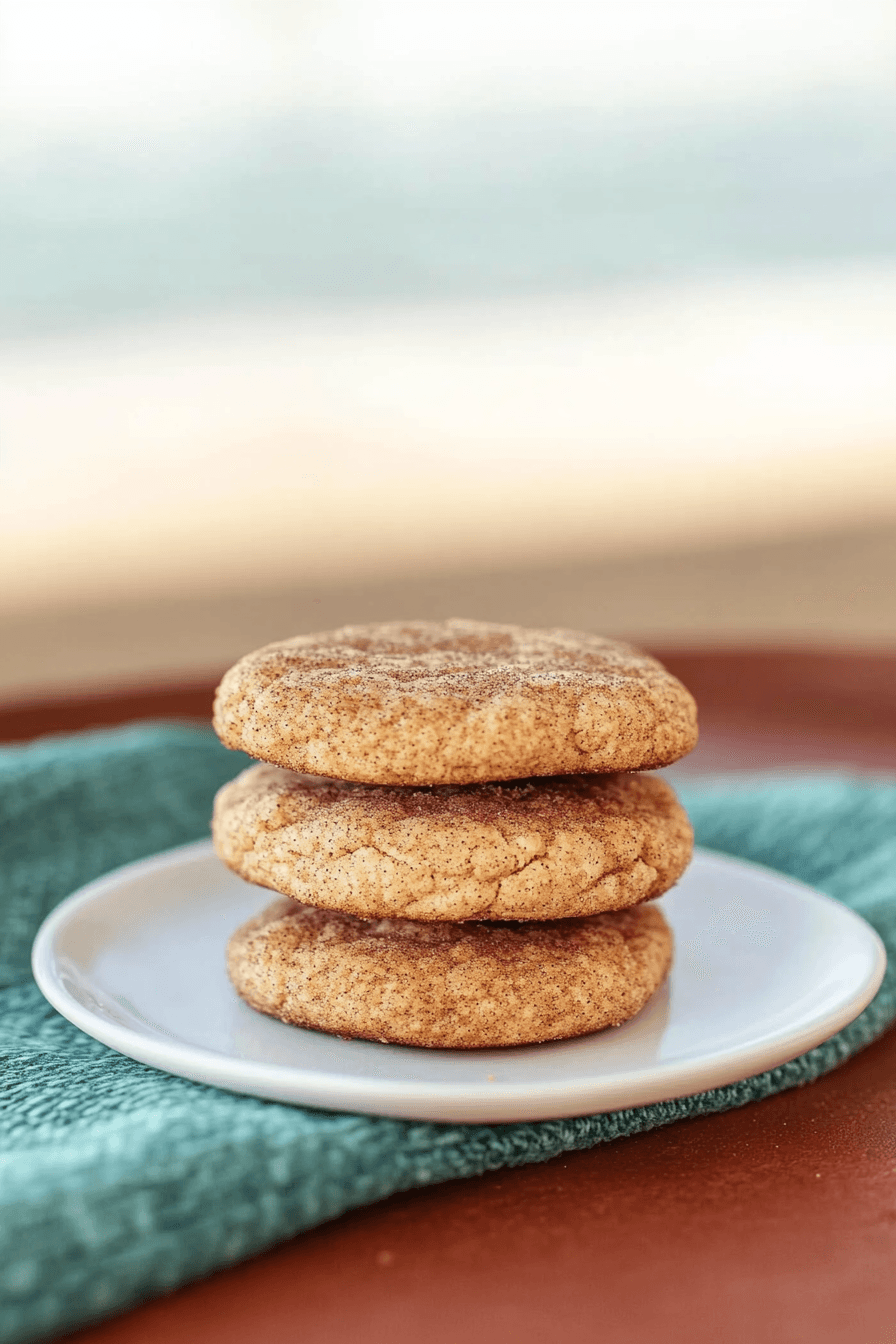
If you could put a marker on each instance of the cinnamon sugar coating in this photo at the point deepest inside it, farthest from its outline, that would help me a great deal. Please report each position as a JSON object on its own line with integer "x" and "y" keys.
{"x": 453, "y": 702}
{"x": 456, "y": 986}
{"x": 531, "y": 849}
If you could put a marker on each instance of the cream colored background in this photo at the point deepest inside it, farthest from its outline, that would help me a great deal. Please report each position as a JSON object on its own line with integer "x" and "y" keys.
{"x": 690, "y": 464}
{"x": 705, "y": 457}
{"x": 326, "y": 445}
{"x": 834, "y": 590}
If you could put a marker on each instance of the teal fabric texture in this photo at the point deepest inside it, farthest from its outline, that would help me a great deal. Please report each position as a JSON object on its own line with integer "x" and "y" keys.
{"x": 118, "y": 1182}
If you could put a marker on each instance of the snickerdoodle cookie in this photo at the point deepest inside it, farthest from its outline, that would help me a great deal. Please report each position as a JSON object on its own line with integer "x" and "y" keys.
{"x": 453, "y": 702}
{"x": 540, "y": 849}
{"x": 445, "y": 984}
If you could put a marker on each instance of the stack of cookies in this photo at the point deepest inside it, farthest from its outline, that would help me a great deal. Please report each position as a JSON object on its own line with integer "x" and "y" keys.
{"x": 454, "y": 816}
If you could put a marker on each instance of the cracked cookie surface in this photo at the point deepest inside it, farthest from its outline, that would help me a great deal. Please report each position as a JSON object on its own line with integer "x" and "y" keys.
{"x": 453, "y": 702}
{"x": 456, "y": 986}
{"x": 526, "y": 849}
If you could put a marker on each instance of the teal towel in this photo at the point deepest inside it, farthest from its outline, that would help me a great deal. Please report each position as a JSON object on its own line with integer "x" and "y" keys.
{"x": 118, "y": 1182}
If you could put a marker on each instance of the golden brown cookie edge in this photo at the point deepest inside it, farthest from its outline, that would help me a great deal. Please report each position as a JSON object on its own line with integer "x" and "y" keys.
{"x": 439, "y": 1003}
{"x": 364, "y": 851}
{"x": 291, "y": 705}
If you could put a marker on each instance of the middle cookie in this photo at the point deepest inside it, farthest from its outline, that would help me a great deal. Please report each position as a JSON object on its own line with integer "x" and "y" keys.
{"x": 533, "y": 849}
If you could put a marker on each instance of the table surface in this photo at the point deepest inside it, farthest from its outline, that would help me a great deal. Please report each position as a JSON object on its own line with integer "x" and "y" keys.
{"x": 775, "y": 1222}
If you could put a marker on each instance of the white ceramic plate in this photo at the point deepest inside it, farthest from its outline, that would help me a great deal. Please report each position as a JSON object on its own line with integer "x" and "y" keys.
{"x": 764, "y": 969}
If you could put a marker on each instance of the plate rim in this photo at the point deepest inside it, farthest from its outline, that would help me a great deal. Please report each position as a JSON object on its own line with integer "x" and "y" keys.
{"x": 451, "y": 1102}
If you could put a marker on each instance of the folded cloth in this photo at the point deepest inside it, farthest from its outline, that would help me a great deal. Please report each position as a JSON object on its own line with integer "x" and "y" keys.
{"x": 118, "y": 1182}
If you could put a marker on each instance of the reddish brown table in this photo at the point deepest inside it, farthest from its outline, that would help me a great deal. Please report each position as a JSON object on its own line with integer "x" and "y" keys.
{"x": 773, "y": 1223}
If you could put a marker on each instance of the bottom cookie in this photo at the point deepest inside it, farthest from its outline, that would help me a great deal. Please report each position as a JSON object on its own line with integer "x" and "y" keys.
{"x": 449, "y": 985}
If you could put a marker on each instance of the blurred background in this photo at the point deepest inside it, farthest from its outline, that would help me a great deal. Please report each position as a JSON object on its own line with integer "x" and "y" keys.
{"x": 316, "y": 311}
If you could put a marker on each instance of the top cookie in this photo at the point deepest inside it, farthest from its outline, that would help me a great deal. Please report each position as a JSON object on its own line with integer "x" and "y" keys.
{"x": 453, "y": 702}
